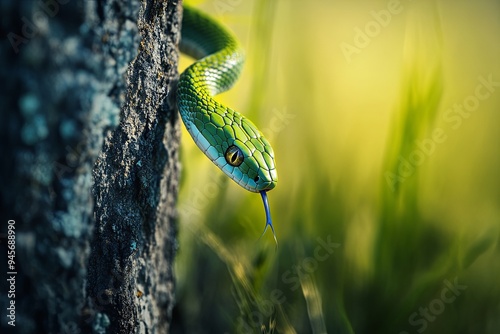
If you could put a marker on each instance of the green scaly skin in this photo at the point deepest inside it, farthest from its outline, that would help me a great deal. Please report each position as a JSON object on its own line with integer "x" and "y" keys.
{"x": 219, "y": 131}
{"x": 213, "y": 126}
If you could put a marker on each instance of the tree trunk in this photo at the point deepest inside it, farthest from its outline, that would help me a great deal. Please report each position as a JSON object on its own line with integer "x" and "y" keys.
{"x": 89, "y": 138}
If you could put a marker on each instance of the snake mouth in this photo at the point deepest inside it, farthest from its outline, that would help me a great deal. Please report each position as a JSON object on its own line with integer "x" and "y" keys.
{"x": 262, "y": 188}
{"x": 269, "y": 185}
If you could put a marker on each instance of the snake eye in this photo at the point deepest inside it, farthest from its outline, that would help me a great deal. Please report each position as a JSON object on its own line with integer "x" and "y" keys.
{"x": 234, "y": 156}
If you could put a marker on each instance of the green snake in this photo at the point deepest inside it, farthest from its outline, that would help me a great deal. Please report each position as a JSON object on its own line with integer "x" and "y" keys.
{"x": 231, "y": 141}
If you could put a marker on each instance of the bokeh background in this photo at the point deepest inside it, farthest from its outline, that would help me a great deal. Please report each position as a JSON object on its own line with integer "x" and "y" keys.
{"x": 384, "y": 119}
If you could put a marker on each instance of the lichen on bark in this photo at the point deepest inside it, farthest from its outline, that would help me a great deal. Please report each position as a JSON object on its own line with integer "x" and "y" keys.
{"x": 90, "y": 129}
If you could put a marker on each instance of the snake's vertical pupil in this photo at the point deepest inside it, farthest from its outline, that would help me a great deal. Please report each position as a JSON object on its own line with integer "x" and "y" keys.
{"x": 234, "y": 156}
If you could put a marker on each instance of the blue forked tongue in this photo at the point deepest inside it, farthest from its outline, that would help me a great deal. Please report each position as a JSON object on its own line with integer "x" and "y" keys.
{"x": 269, "y": 222}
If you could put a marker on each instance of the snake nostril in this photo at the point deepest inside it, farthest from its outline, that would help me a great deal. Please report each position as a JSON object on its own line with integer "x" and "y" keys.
{"x": 257, "y": 178}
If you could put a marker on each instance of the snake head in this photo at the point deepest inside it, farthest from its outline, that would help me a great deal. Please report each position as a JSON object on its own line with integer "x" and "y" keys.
{"x": 248, "y": 157}
{"x": 237, "y": 147}
{"x": 250, "y": 164}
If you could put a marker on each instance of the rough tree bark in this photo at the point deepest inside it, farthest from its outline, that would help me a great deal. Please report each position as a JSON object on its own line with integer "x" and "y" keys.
{"x": 89, "y": 139}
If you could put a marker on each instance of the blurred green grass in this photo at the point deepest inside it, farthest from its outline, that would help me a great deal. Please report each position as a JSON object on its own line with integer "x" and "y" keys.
{"x": 338, "y": 128}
